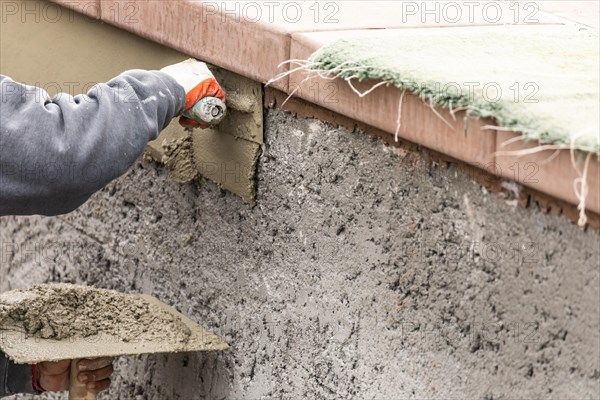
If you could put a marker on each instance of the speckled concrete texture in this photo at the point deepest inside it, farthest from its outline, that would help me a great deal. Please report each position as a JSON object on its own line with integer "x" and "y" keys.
{"x": 362, "y": 273}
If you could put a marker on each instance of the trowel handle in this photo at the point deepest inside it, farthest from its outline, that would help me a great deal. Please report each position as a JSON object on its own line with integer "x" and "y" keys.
{"x": 78, "y": 391}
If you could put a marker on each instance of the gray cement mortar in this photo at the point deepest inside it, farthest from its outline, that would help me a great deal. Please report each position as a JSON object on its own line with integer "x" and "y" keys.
{"x": 363, "y": 273}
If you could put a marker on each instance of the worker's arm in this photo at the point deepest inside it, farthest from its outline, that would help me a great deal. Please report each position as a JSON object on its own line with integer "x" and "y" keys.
{"x": 14, "y": 378}
{"x": 56, "y": 152}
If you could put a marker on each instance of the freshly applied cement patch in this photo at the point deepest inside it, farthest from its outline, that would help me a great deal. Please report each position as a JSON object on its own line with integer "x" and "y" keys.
{"x": 178, "y": 157}
{"x": 63, "y": 321}
{"x": 226, "y": 154}
{"x": 229, "y": 161}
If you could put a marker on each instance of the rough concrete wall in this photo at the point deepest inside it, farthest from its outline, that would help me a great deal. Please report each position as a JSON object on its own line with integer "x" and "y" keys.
{"x": 363, "y": 273}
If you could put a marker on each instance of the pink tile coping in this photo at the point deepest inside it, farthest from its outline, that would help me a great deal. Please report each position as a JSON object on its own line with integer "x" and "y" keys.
{"x": 253, "y": 38}
{"x": 545, "y": 171}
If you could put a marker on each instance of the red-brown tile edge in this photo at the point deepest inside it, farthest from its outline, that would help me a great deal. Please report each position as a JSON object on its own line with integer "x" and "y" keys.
{"x": 549, "y": 171}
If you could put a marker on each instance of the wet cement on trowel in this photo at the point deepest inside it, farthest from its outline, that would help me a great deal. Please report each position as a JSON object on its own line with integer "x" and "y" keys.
{"x": 178, "y": 158}
{"x": 62, "y": 311}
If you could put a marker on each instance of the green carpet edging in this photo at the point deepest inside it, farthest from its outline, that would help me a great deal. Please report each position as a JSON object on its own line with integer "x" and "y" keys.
{"x": 543, "y": 82}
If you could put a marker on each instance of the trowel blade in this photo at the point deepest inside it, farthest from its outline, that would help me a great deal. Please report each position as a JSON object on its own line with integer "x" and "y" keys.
{"x": 24, "y": 349}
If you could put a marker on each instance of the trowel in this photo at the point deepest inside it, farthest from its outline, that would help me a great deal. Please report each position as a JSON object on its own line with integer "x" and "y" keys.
{"x": 24, "y": 347}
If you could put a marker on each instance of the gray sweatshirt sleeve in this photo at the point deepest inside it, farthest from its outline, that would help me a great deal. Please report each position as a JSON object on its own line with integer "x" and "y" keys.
{"x": 14, "y": 378}
{"x": 56, "y": 152}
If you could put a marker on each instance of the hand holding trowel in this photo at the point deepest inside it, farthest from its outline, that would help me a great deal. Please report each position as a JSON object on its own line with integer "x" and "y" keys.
{"x": 56, "y": 376}
{"x": 69, "y": 322}
{"x": 204, "y": 101}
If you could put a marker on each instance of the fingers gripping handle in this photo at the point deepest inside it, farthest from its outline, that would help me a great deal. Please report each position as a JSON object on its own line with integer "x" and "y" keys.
{"x": 204, "y": 105}
{"x": 204, "y": 97}
{"x": 78, "y": 391}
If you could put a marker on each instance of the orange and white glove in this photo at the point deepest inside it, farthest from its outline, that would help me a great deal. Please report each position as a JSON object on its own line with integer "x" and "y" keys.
{"x": 198, "y": 82}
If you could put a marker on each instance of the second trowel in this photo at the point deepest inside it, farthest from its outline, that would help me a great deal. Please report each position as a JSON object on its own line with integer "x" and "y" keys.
{"x": 68, "y": 322}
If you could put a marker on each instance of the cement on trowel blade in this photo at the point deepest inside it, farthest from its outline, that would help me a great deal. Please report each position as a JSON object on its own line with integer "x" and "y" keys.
{"x": 26, "y": 348}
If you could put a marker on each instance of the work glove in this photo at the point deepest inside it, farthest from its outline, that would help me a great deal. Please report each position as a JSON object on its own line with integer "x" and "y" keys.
{"x": 198, "y": 82}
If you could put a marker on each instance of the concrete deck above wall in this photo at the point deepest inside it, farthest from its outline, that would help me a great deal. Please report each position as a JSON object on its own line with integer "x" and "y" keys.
{"x": 254, "y": 38}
